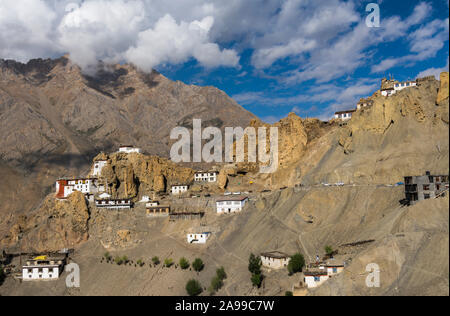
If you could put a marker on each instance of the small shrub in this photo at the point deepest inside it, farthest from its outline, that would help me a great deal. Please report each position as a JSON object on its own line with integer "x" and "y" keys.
{"x": 329, "y": 251}
{"x": 140, "y": 263}
{"x": 118, "y": 261}
{"x": 193, "y": 288}
{"x": 168, "y": 262}
{"x": 155, "y": 261}
{"x": 107, "y": 256}
{"x": 184, "y": 264}
{"x": 288, "y": 293}
{"x": 125, "y": 259}
{"x": 198, "y": 265}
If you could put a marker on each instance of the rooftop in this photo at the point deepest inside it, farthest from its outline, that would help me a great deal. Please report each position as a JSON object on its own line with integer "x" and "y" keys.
{"x": 232, "y": 198}
{"x": 275, "y": 255}
{"x": 344, "y": 112}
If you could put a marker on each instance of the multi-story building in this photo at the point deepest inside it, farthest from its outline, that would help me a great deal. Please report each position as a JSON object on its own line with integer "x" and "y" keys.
{"x": 344, "y": 115}
{"x": 275, "y": 260}
{"x": 231, "y": 204}
{"x": 179, "y": 189}
{"x": 425, "y": 187}
{"x": 43, "y": 268}
{"x": 206, "y": 176}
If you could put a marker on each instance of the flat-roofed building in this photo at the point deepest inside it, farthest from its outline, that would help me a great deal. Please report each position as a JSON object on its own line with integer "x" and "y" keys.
{"x": 202, "y": 176}
{"x": 275, "y": 260}
{"x": 158, "y": 211}
{"x": 315, "y": 278}
{"x": 43, "y": 268}
{"x": 419, "y": 188}
{"x": 231, "y": 204}
{"x": 198, "y": 238}
{"x": 114, "y": 204}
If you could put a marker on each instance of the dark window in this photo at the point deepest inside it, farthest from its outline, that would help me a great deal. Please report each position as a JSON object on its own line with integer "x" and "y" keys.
{"x": 426, "y": 196}
{"x": 426, "y": 187}
{"x": 431, "y": 179}
{"x": 438, "y": 187}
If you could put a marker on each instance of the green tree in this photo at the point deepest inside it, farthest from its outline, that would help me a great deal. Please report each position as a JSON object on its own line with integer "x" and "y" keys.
{"x": 254, "y": 264}
{"x": 257, "y": 280}
{"x": 125, "y": 259}
{"x": 221, "y": 273}
{"x": 155, "y": 260}
{"x": 193, "y": 288}
{"x": 296, "y": 263}
{"x": 140, "y": 263}
{"x": 184, "y": 263}
{"x": 198, "y": 265}
{"x": 216, "y": 284}
{"x": 168, "y": 262}
{"x": 329, "y": 251}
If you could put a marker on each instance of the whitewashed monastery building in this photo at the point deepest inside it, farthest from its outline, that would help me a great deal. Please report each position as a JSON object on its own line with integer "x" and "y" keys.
{"x": 129, "y": 149}
{"x": 179, "y": 189}
{"x": 344, "y": 115}
{"x": 206, "y": 176}
{"x": 231, "y": 204}
{"x": 114, "y": 204}
{"x": 43, "y": 268}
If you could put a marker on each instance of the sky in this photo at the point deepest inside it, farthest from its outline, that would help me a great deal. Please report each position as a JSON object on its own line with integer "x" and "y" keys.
{"x": 311, "y": 57}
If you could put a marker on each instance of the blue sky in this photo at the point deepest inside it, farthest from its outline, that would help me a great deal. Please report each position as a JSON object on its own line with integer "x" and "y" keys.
{"x": 312, "y": 57}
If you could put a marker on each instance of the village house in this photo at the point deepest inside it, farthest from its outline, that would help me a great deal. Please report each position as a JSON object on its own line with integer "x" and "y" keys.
{"x": 114, "y": 204}
{"x": 275, "y": 260}
{"x": 200, "y": 238}
{"x": 333, "y": 267}
{"x": 157, "y": 211}
{"x": 179, "y": 189}
{"x": 363, "y": 103}
{"x": 231, "y": 204}
{"x": 206, "y": 176}
{"x": 152, "y": 204}
{"x": 129, "y": 149}
{"x": 390, "y": 87}
{"x": 43, "y": 268}
{"x": 425, "y": 187}
{"x": 98, "y": 167}
{"x": 315, "y": 278}
{"x": 344, "y": 115}
{"x": 65, "y": 187}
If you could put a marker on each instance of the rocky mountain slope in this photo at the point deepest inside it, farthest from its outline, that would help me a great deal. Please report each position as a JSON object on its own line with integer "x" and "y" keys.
{"x": 54, "y": 119}
{"x": 364, "y": 220}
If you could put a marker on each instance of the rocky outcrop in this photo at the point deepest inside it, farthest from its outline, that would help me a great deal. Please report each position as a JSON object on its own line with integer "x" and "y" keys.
{"x": 130, "y": 175}
{"x": 443, "y": 89}
{"x": 56, "y": 225}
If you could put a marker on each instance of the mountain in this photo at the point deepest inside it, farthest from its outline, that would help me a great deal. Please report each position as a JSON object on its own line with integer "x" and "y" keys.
{"x": 54, "y": 119}
{"x": 365, "y": 220}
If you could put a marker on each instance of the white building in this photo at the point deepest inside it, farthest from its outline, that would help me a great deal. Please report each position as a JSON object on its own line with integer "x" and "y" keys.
{"x": 314, "y": 279}
{"x": 42, "y": 268}
{"x": 104, "y": 196}
{"x": 65, "y": 187}
{"x": 129, "y": 149}
{"x": 98, "y": 167}
{"x": 403, "y": 85}
{"x": 344, "y": 115}
{"x": 231, "y": 204}
{"x": 333, "y": 268}
{"x": 179, "y": 189}
{"x": 114, "y": 204}
{"x": 200, "y": 238}
{"x": 275, "y": 260}
{"x": 206, "y": 176}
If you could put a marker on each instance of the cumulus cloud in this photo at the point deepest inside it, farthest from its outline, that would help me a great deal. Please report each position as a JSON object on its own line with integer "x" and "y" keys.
{"x": 169, "y": 42}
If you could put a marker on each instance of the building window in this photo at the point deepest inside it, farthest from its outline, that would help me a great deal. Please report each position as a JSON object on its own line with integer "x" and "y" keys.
{"x": 316, "y": 279}
{"x": 426, "y": 187}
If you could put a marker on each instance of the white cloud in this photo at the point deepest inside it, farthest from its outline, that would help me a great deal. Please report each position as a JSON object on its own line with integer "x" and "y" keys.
{"x": 169, "y": 42}
{"x": 436, "y": 72}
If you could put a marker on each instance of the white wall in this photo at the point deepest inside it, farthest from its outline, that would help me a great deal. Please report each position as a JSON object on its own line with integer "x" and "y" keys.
{"x": 312, "y": 282}
{"x": 228, "y": 207}
{"x": 130, "y": 150}
{"x": 274, "y": 263}
{"x": 198, "y": 238}
{"x": 47, "y": 273}
{"x": 98, "y": 167}
{"x": 179, "y": 189}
